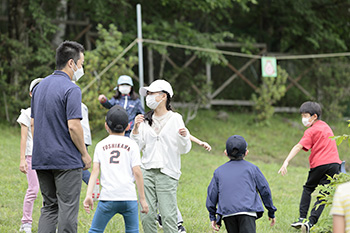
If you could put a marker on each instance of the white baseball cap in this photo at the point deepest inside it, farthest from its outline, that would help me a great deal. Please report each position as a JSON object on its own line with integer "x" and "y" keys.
{"x": 34, "y": 83}
{"x": 156, "y": 86}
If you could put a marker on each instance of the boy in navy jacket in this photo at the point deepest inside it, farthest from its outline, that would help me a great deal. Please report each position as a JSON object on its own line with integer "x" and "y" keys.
{"x": 233, "y": 193}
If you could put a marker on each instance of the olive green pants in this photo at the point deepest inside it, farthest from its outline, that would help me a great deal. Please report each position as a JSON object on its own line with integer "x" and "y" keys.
{"x": 160, "y": 189}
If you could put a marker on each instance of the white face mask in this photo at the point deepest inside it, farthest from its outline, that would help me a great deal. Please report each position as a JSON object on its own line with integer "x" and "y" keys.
{"x": 78, "y": 73}
{"x": 151, "y": 101}
{"x": 305, "y": 121}
{"x": 124, "y": 89}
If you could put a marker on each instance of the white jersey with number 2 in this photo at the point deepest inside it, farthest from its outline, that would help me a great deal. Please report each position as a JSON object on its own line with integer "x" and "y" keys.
{"x": 117, "y": 155}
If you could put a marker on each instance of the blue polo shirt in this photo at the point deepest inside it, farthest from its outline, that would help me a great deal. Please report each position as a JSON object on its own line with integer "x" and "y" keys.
{"x": 55, "y": 101}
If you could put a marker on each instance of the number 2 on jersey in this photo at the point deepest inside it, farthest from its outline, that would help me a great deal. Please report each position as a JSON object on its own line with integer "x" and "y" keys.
{"x": 114, "y": 158}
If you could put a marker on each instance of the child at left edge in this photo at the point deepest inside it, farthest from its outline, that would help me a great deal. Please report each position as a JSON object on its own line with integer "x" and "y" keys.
{"x": 26, "y": 164}
{"x": 118, "y": 159}
{"x": 233, "y": 193}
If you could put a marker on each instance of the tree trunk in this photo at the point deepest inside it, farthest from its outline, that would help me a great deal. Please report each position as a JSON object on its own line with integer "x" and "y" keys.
{"x": 17, "y": 31}
{"x": 61, "y": 16}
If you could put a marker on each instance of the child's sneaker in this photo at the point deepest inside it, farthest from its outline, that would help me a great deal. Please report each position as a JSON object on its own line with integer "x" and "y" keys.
{"x": 297, "y": 224}
{"x": 305, "y": 228}
{"x": 96, "y": 191}
{"x": 26, "y": 227}
{"x": 180, "y": 228}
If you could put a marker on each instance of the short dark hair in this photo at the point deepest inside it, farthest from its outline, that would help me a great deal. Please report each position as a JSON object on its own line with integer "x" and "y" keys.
{"x": 235, "y": 156}
{"x": 68, "y": 50}
{"x": 311, "y": 108}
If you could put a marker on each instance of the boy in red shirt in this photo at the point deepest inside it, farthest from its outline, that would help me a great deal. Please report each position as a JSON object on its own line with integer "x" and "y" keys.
{"x": 324, "y": 160}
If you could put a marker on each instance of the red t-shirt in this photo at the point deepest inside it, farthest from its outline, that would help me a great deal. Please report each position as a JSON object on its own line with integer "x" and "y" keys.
{"x": 323, "y": 149}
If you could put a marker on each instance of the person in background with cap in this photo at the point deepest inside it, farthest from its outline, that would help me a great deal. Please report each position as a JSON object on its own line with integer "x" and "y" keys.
{"x": 118, "y": 159}
{"x": 233, "y": 193}
{"x": 25, "y": 164}
{"x": 162, "y": 136}
{"x": 125, "y": 97}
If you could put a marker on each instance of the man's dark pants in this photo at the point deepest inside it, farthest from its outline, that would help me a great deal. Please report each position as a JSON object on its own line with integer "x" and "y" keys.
{"x": 61, "y": 195}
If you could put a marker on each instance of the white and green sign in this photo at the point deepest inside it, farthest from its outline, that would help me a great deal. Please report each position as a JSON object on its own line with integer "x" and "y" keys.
{"x": 269, "y": 67}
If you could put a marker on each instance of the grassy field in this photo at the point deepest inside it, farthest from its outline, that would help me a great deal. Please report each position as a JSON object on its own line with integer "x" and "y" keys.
{"x": 268, "y": 146}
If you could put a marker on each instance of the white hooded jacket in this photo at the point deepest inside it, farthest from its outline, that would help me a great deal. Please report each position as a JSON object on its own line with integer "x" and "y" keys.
{"x": 163, "y": 151}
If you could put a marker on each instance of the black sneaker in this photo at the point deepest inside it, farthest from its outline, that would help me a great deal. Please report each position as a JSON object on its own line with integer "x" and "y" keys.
{"x": 180, "y": 228}
{"x": 305, "y": 228}
{"x": 159, "y": 220}
{"x": 297, "y": 224}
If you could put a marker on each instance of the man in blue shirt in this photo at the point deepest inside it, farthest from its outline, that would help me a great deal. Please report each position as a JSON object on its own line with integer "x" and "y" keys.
{"x": 233, "y": 193}
{"x": 59, "y": 152}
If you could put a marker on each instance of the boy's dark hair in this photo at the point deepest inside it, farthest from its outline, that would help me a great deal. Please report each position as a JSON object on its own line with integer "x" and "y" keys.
{"x": 148, "y": 115}
{"x": 233, "y": 156}
{"x": 133, "y": 94}
{"x": 68, "y": 50}
{"x": 311, "y": 108}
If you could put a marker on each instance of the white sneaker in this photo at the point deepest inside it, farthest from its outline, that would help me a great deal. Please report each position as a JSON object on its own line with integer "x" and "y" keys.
{"x": 26, "y": 227}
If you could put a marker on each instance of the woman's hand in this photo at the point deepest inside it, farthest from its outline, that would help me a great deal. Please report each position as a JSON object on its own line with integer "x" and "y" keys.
{"x": 183, "y": 132}
{"x": 138, "y": 120}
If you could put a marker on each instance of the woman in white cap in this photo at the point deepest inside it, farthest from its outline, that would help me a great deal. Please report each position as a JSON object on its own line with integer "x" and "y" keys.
{"x": 162, "y": 137}
{"x": 126, "y": 98}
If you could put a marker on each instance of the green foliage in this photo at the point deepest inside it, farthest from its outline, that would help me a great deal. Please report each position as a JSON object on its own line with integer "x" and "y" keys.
{"x": 184, "y": 33}
{"x": 326, "y": 195}
{"x": 108, "y": 47}
{"x": 15, "y": 77}
{"x": 290, "y": 26}
{"x": 344, "y": 137}
{"x": 270, "y": 91}
{"x": 332, "y": 83}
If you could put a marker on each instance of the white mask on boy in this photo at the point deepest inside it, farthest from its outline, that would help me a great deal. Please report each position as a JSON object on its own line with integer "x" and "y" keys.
{"x": 151, "y": 101}
{"x": 306, "y": 122}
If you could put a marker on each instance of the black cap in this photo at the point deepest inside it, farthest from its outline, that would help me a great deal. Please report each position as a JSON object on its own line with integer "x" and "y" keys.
{"x": 236, "y": 142}
{"x": 117, "y": 119}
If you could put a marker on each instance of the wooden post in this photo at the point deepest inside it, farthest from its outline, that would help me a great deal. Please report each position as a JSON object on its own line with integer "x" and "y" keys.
{"x": 241, "y": 76}
{"x": 228, "y": 81}
{"x": 208, "y": 73}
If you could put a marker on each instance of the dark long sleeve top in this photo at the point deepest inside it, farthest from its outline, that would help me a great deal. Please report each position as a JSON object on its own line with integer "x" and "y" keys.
{"x": 238, "y": 186}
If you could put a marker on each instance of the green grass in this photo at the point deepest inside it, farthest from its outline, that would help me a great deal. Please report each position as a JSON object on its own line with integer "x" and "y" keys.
{"x": 268, "y": 146}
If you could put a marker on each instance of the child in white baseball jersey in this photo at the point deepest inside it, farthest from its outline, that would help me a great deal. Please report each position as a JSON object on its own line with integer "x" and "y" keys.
{"x": 118, "y": 158}
{"x": 25, "y": 165}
